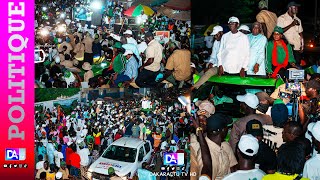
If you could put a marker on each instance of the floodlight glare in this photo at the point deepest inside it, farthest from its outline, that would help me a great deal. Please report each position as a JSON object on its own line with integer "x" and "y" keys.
{"x": 96, "y": 5}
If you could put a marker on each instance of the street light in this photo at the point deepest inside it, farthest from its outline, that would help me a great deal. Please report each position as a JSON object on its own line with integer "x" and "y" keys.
{"x": 96, "y": 5}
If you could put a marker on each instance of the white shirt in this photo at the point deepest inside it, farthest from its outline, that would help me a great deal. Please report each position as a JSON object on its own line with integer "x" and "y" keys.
{"x": 39, "y": 165}
{"x": 292, "y": 34}
{"x": 209, "y": 41}
{"x": 132, "y": 41}
{"x": 57, "y": 157}
{"x": 234, "y": 52}
{"x": 311, "y": 168}
{"x": 213, "y": 57}
{"x": 245, "y": 174}
{"x": 84, "y": 156}
{"x": 272, "y": 136}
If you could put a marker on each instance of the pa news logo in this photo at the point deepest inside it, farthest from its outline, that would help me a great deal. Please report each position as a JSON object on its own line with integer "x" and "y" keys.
{"x": 173, "y": 159}
{"x": 15, "y": 154}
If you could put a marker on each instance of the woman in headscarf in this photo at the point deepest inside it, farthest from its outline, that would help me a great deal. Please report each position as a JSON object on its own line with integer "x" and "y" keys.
{"x": 279, "y": 54}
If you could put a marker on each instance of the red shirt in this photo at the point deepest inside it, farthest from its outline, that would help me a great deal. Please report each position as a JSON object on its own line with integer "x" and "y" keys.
{"x": 68, "y": 153}
{"x": 75, "y": 160}
{"x": 117, "y": 136}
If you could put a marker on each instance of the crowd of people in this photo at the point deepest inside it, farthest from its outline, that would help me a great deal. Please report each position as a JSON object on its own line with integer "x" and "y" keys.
{"x": 115, "y": 53}
{"x": 277, "y": 136}
{"x": 267, "y": 142}
{"x": 67, "y": 144}
{"x": 272, "y": 45}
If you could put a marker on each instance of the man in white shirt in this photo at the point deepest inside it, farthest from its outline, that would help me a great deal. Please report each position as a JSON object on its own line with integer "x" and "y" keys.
{"x": 84, "y": 160}
{"x": 130, "y": 39}
{"x": 39, "y": 164}
{"x": 247, "y": 149}
{"x": 213, "y": 62}
{"x": 233, "y": 56}
{"x": 58, "y": 156}
{"x": 292, "y": 29}
{"x": 208, "y": 40}
{"x": 311, "y": 168}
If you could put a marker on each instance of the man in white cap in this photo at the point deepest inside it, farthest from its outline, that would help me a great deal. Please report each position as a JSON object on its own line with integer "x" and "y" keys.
{"x": 244, "y": 29}
{"x": 311, "y": 168}
{"x": 248, "y": 105}
{"x": 128, "y": 34}
{"x": 213, "y": 61}
{"x": 233, "y": 56}
{"x": 247, "y": 150}
{"x": 131, "y": 69}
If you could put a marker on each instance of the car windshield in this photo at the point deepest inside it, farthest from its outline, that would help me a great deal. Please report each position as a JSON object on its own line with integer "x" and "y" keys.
{"x": 120, "y": 153}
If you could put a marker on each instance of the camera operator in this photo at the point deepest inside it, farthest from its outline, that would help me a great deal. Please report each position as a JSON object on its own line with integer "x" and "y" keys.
{"x": 309, "y": 110}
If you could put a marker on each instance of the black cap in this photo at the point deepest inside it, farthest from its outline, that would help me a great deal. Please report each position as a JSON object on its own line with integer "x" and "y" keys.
{"x": 218, "y": 121}
{"x": 254, "y": 127}
{"x": 148, "y": 34}
{"x": 292, "y": 3}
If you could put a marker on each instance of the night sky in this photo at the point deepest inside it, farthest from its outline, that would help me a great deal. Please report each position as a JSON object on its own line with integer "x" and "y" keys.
{"x": 221, "y": 10}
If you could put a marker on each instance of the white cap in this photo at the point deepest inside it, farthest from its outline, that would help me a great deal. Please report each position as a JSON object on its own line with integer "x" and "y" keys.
{"x": 216, "y": 29}
{"x": 69, "y": 143}
{"x": 250, "y": 99}
{"x": 248, "y": 145}
{"x": 315, "y": 131}
{"x": 233, "y": 19}
{"x": 85, "y": 126}
{"x": 59, "y": 175}
{"x": 43, "y": 125}
{"x": 244, "y": 27}
{"x": 128, "y": 32}
{"x": 192, "y": 65}
{"x": 127, "y": 52}
{"x": 173, "y": 141}
{"x": 57, "y": 59}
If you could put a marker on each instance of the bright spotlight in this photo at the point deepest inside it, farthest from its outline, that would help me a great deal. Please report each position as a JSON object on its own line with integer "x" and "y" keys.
{"x": 96, "y": 5}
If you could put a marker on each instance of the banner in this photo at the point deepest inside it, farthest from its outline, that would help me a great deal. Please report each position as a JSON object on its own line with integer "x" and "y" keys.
{"x": 17, "y": 89}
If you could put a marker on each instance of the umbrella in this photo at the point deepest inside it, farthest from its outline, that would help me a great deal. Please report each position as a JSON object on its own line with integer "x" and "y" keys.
{"x": 135, "y": 11}
{"x": 182, "y": 16}
{"x": 149, "y": 2}
{"x": 183, "y": 5}
{"x": 209, "y": 29}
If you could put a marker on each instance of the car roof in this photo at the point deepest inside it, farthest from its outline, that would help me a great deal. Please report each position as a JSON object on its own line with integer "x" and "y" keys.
{"x": 128, "y": 142}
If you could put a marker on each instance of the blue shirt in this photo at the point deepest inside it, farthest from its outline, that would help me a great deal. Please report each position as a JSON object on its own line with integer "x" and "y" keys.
{"x": 257, "y": 53}
{"x": 134, "y": 49}
{"x": 132, "y": 68}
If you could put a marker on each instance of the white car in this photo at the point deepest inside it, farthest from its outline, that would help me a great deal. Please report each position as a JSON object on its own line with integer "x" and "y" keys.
{"x": 125, "y": 155}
